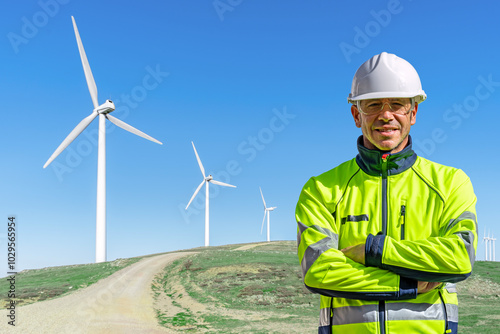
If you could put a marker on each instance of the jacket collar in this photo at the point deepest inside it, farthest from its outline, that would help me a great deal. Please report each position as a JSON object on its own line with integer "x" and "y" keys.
{"x": 370, "y": 161}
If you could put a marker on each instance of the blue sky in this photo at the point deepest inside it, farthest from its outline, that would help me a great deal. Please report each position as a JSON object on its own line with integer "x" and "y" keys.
{"x": 259, "y": 86}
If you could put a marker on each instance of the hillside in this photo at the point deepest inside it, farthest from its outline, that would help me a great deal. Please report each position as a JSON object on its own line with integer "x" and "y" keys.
{"x": 241, "y": 288}
{"x": 257, "y": 288}
{"x": 252, "y": 288}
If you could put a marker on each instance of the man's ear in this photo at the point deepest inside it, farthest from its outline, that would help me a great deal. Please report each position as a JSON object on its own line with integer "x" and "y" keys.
{"x": 413, "y": 116}
{"x": 356, "y": 115}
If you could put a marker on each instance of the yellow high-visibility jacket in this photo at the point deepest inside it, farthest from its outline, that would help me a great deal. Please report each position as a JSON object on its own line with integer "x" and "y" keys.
{"x": 418, "y": 221}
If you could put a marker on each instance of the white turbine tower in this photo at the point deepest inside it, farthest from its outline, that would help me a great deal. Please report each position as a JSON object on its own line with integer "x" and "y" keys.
{"x": 485, "y": 239}
{"x": 206, "y": 180}
{"x": 102, "y": 111}
{"x": 493, "y": 239}
{"x": 489, "y": 246}
{"x": 267, "y": 211}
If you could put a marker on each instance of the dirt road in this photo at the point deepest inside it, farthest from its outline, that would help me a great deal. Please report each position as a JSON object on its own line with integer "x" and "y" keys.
{"x": 120, "y": 303}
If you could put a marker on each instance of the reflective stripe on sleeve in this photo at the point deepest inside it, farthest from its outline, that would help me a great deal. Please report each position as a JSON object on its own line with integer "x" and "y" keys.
{"x": 334, "y": 237}
{"x": 468, "y": 239}
{"x": 314, "y": 251}
{"x": 466, "y": 236}
{"x": 465, "y": 215}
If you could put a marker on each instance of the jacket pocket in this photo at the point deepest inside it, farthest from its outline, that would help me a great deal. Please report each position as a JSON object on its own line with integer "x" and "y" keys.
{"x": 402, "y": 219}
{"x": 353, "y": 218}
{"x": 353, "y": 230}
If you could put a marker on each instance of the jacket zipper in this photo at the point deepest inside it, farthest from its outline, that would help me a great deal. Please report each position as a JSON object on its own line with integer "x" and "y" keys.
{"x": 403, "y": 221}
{"x": 381, "y": 305}
{"x": 384, "y": 193}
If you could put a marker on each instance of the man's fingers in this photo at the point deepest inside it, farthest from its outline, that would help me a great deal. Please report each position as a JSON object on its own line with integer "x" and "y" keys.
{"x": 424, "y": 287}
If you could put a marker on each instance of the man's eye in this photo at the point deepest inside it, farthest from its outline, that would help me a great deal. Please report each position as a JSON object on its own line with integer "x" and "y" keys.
{"x": 397, "y": 106}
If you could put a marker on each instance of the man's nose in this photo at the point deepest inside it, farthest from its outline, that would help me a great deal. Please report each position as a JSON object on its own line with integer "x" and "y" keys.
{"x": 386, "y": 113}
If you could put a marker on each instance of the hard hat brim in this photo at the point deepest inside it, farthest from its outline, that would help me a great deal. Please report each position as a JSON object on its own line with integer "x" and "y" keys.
{"x": 419, "y": 96}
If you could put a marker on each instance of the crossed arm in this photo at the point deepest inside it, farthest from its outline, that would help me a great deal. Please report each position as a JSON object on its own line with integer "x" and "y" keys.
{"x": 357, "y": 254}
{"x": 383, "y": 268}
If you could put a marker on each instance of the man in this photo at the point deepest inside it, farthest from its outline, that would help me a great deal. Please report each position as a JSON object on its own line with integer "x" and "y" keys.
{"x": 383, "y": 237}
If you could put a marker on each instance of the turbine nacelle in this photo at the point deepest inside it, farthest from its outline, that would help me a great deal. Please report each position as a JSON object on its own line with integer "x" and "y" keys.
{"x": 209, "y": 178}
{"x": 105, "y": 108}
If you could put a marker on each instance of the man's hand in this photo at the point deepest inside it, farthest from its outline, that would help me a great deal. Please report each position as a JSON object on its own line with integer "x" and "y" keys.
{"x": 355, "y": 253}
{"x": 424, "y": 287}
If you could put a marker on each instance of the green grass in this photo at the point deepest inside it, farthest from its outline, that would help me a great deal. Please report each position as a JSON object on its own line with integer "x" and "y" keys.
{"x": 259, "y": 290}
{"x": 238, "y": 288}
{"x": 41, "y": 284}
{"x": 487, "y": 270}
{"x": 266, "y": 280}
{"x": 479, "y": 300}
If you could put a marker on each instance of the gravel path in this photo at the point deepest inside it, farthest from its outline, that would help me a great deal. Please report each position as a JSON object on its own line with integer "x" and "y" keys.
{"x": 250, "y": 246}
{"x": 120, "y": 303}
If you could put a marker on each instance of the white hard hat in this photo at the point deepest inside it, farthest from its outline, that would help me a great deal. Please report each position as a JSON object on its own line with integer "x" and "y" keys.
{"x": 386, "y": 75}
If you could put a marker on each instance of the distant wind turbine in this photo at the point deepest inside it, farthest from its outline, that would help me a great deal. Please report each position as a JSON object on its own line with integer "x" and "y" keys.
{"x": 102, "y": 111}
{"x": 489, "y": 246}
{"x": 206, "y": 180}
{"x": 486, "y": 240}
{"x": 267, "y": 211}
{"x": 494, "y": 240}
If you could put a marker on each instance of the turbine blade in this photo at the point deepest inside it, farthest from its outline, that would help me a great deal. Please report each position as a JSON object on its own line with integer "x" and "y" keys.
{"x": 199, "y": 161}
{"x": 72, "y": 135}
{"x": 86, "y": 67}
{"x": 263, "y": 220}
{"x": 130, "y": 128}
{"x": 263, "y": 201}
{"x": 195, "y": 193}
{"x": 222, "y": 183}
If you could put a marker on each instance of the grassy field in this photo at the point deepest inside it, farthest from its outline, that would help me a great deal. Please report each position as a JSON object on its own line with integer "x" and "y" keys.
{"x": 41, "y": 284}
{"x": 253, "y": 288}
{"x": 259, "y": 290}
{"x": 226, "y": 290}
{"x": 479, "y": 300}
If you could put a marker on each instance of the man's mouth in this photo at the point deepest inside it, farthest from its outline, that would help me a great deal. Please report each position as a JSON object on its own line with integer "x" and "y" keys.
{"x": 386, "y": 131}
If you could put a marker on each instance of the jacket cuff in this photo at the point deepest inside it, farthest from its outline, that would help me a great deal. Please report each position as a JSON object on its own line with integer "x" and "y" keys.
{"x": 408, "y": 288}
{"x": 374, "y": 248}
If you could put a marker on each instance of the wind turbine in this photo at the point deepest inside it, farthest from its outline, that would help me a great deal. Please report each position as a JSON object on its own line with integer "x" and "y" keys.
{"x": 102, "y": 111}
{"x": 267, "y": 211}
{"x": 493, "y": 239}
{"x": 206, "y": 180}
{"x": 489, "y": 246}
{"x": 486, "y": 240}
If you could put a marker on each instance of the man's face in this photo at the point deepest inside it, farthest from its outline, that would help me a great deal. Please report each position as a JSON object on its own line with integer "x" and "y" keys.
{"x": 385, "y": 130}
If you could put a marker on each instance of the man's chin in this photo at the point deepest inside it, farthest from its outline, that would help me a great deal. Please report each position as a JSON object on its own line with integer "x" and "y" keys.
{"x": 388, "y": 149}
{"x": 390, "y": 145}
